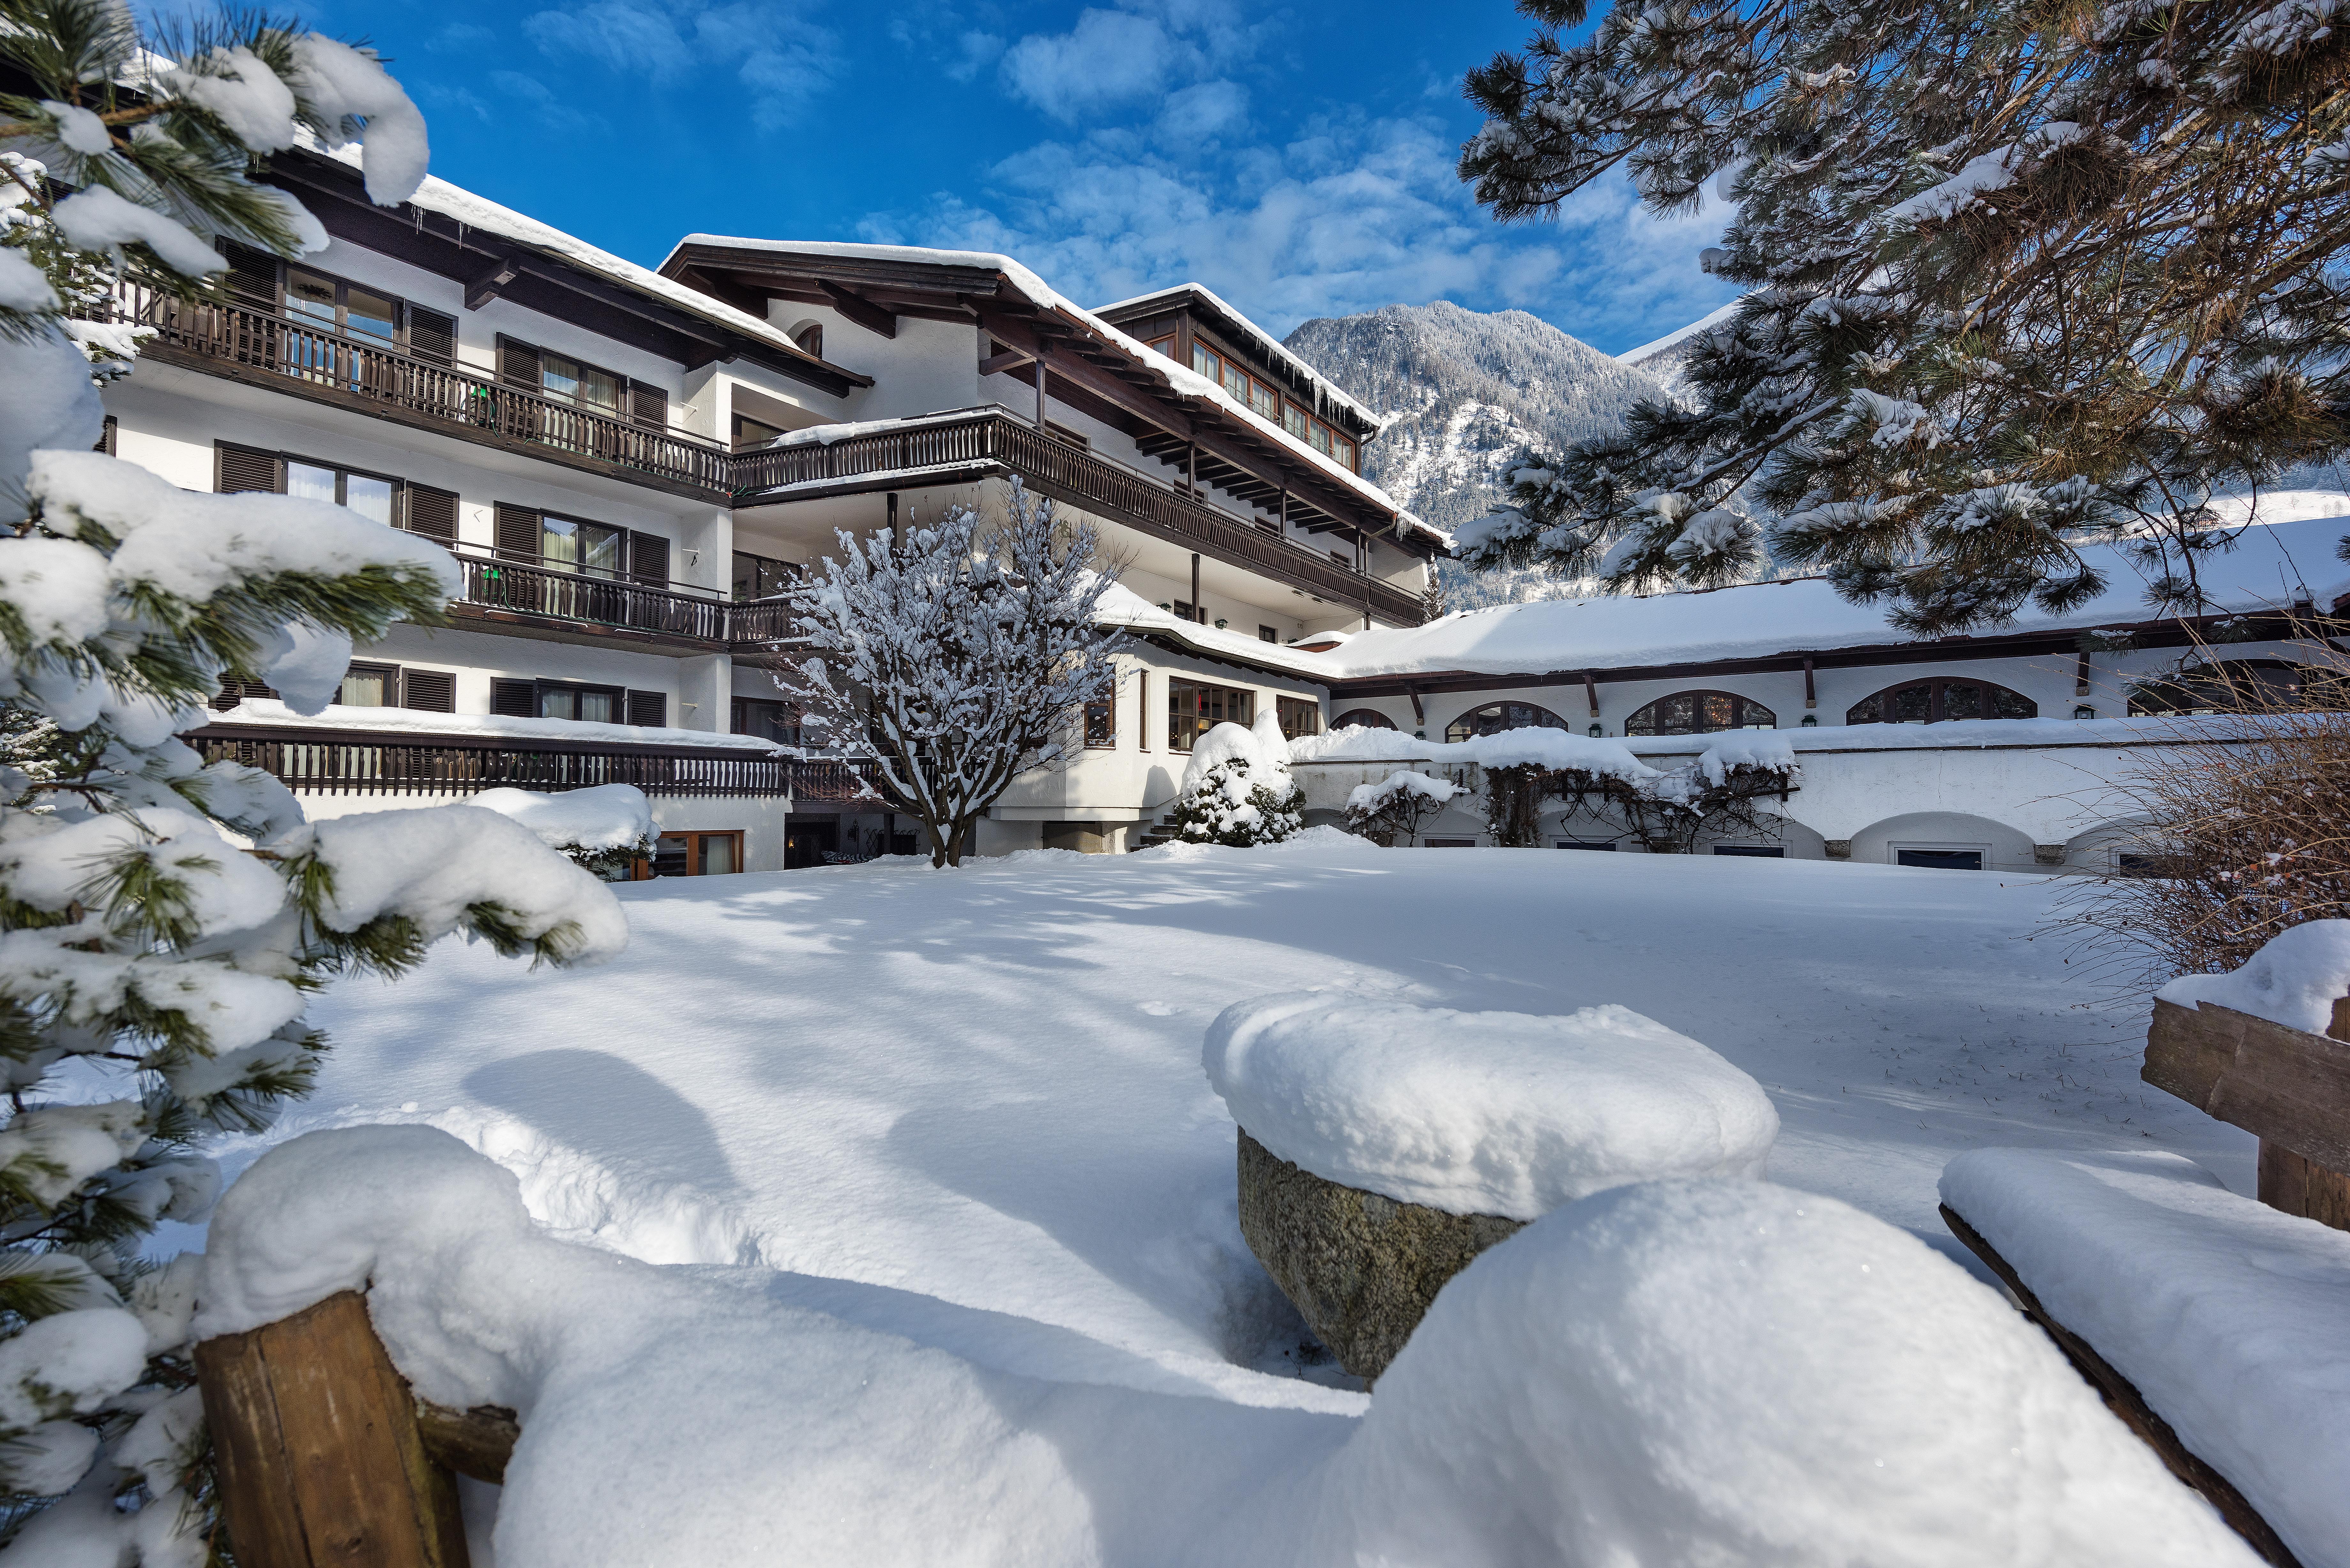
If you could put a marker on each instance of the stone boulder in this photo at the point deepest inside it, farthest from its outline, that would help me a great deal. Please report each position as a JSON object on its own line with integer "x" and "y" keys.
{"x": 1361, "y": 1267}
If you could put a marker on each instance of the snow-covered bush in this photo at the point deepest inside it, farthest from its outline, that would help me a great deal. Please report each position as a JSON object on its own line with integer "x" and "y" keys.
{"x": 1398, "y": 805}
{"x": 606, "y": 829}
{"x": 153, "y": 968}
{"x": 956, "y": 658}
{"x": 1237, "y": 790}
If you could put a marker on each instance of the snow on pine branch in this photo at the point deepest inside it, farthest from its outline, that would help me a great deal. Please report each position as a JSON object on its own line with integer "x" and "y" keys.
{"x": 955, "y": 656}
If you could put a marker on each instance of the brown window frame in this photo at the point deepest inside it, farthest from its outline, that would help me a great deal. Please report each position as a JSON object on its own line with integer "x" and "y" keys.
{"x": 743, "y": 709}
{"x": 1742, "y": 705}
{"x": 1298, "y": 716}
{"x": 1463, "y": 726}
{"x": 1937, "y": 712}
{"x": 1186, "y": 725}
{"x": 696, "y": 841}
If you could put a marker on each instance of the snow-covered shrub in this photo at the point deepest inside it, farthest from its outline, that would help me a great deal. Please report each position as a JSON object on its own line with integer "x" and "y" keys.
{"x": 605, "y": 830}
{"x": 1398, "y": 805}
{"x": 146, "y": 953}
{"x": 955, "y": 658}
{"x": 1237, "y": 789}
{"x": 1719, "y": 791}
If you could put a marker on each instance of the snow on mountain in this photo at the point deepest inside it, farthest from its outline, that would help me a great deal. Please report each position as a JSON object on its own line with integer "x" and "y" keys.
{"x": 1466, "y": 393}
{"x": 1663, "y": 359}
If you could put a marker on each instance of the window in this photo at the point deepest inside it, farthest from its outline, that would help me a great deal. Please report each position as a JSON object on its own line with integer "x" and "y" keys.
{"x": 1700, "y": 714}
{"x": 1262, "y": 401}
{"x": 1932, "y": 701}
{"x": 810, "y": 339}
{"x": 1363, "y": 718}
{"x": 577, "y": 545}
{"x": 1495, "y": 717}
{"x": 421, "y": 508}
{"x": 565, "y": 379}
{"x": 331, "y": 305}
{"x": 1607, "y": 844}
{"x": 1267, "y": 634}
{"x": 586, "y": 704}
{"x": 776, "y": 721}
{"x": 1343, "y": 450}
{"x": 1101, "y": 726}
{"x": 1193, "y": 709}
{"x": 763, "y": 576}
{"x": 1299, "y": 716}
{"x": 1754, "y": 851}
{"x": 1938, "y": 859}
{"x": 1447, "y": 843}
{"x": 1162, "y": 346}
{"x": 699, "y": 854}
{"x": 1296, "y": 421}
{"x": 1210, "y": 365}
{"x": 370, "y": 686}
{"x": 2240, "y": 686}
{"x": 593, "y": 549}
{"x": 1319, "y": 438}
{"x": 750, "y": 433}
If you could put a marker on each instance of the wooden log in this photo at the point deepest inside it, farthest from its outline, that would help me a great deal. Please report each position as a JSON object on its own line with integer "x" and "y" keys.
{"x": 2122, "y": 1397}
{"x": 476, "y": 1442}
{"x": 2285, "y": 1085}
{"x": 322, "y": 1461}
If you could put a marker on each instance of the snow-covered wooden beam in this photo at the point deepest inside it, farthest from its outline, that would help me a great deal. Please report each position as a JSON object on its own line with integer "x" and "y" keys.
{"x": 2288, "y": 1087}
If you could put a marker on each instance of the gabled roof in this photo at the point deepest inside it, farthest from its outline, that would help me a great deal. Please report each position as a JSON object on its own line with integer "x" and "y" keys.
{"x": 1201, "y": 300}
{"x": 874, "y": 285}
{"x": 498, "y": 252}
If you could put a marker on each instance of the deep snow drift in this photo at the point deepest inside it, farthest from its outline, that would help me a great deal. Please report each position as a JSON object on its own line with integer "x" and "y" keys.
{"x": 1725, "y": 1373}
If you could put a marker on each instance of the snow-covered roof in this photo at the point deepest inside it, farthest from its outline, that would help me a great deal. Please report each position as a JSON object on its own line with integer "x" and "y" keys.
{"x": 1263, "y": 341}
{"x": 1180, "y": 378}
{"x": 488, "y": 726}
{"x": 1804, "y": 615}
{"x": 477, "y": 212}
{"x": 1121, "y": 605}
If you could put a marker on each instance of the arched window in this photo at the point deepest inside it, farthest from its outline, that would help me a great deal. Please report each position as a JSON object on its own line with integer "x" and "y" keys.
{"x": 2240, "y": 686}
{"x": 1368, "y": 718}
{"x": 810, "y": 339}
{"x": 1931, "y": 702}
{"x": 1700, "y": 714}
{"x": 1495, "y": 717}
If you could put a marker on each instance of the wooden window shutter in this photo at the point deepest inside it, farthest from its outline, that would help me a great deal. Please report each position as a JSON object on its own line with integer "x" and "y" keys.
{"x": 432, "y": 514}
{"x": 237, "y": 469}
{"x": 432, "y": 336}
{"x": 514, "y": 698}
{"x": 649, "y": 559}
{"x": 649, "y": 710}
{"x": 429, "y": 691}
{"x": 517, "y": 363}
{"x": 252, "y": 273}
{"x": 518, "y": 538}
{"x": 649, "y": 404}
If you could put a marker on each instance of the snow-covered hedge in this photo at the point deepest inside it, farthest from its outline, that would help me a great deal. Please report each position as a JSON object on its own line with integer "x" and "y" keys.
{"x": 1398, "y": 805}
{"x": 1237, "y": 790}
{"x": 1483, "y": 1112}
{"x": 1717, "y": 1372}
{"x": 604, "y": 829}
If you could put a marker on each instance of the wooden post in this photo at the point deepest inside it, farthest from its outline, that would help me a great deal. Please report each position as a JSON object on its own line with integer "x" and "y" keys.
{"x": 2290, "y": 1087}
{"x": 322, "y": 1462}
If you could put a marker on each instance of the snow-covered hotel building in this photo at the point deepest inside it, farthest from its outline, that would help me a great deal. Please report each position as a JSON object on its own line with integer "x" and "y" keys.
{"x": 631, "y": 464}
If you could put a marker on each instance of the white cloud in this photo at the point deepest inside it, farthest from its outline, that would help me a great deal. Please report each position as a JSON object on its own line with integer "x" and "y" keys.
{"x": 1110, "y": 58}
{"x": 784, "y": 59}
{"x": 534, "y": 96}
{"x": 1204, "y": 109}
{"x": 1342, "y": 219}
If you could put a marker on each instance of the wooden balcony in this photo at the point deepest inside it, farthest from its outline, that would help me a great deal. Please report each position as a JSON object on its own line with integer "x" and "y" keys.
{"x": 575, "y": 606}
{"x": 264, "y": 348}
{"x": 988, "y": 442}
{"x": 354, "y": 761}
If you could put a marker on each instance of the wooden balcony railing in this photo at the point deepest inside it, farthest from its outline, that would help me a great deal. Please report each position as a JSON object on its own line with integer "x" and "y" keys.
{"x": 350, "y": 367}
{"x": 535, "y": 590}
{"x": 1054, "y": 468}
{"x": 319, "y": 761}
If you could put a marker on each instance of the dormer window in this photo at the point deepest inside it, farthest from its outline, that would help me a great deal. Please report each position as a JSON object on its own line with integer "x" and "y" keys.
{"x": 810, "y": 339}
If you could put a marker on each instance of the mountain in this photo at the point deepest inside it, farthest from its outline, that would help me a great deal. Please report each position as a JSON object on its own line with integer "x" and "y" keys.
{"x": 1465, "y": 393}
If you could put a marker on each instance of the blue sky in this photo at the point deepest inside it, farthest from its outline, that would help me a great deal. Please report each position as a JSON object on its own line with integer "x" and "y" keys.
{"x": 1299, "y": 161}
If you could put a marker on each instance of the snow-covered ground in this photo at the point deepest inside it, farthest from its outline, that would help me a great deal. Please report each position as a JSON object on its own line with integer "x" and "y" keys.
{"x": 982, "y": 1089}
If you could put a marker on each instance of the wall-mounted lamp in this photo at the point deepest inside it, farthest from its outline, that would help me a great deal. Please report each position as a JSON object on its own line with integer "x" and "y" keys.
{"x": 2084, "y": 711}
{"x": 1810, "y": 721}
{"x": 1419, "y": 734}
{"x": 1597, "y": 731}
{"x": 1220, "y": 623}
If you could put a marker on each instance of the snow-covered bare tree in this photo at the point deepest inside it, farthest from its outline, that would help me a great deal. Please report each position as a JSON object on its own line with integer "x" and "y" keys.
{"x": 1397, "y": 806}
{"x": 956, "y": 656}
{"x": 2020, "y": 277}
{"x": 163, "y": 921}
